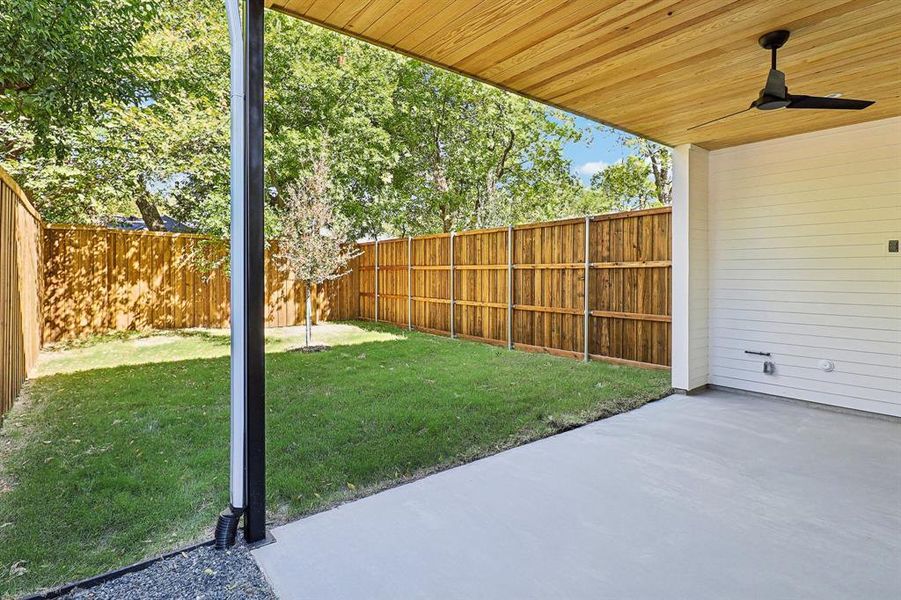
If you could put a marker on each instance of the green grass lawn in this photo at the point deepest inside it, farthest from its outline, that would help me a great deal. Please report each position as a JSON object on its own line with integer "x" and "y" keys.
{"x": 119, "y": 449}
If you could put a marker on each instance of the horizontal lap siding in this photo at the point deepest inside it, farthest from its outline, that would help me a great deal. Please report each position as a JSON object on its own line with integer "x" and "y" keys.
{"x": 799, "y": 267}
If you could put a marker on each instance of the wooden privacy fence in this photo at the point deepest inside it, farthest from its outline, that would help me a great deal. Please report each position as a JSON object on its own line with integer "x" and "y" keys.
{"x": 20, "y": 289}
{"x": 99, "y": 279}
{"x": 594, "y": 287}
{"x": 522, "y": 287}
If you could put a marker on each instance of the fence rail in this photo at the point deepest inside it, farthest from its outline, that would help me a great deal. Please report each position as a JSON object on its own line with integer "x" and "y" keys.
{"x": 592, "y": 288}
{"x": 21, "y": 282}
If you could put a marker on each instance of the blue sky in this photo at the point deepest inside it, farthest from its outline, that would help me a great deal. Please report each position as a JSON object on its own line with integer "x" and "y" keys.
{"x": 594, "y": 151}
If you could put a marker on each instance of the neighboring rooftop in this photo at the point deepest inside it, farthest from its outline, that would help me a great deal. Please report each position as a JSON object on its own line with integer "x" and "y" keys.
{"x": 132, "y": 223}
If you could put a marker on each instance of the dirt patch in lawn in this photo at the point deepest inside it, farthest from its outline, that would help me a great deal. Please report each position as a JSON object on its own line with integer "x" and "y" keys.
{"x": 309, "y": 349}
{"x": 15, "y": 433}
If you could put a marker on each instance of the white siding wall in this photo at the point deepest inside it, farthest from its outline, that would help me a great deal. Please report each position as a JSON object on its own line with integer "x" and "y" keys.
{"x": 799, "y": 266}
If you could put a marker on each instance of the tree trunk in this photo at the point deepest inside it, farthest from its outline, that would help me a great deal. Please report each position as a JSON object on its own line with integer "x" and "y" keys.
{"x": 443, "y": 187}
{"x": 150, "y": 213}
{"x": 15, "y": 86}
{"x": 309, "y": 320}
{"x": 659, "y": 183}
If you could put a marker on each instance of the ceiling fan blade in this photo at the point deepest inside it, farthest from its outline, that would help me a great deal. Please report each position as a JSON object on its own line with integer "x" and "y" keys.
{"x": 775, "y": 84}
{"x": 720, "y": 118}
{"x": 827, "y": 103}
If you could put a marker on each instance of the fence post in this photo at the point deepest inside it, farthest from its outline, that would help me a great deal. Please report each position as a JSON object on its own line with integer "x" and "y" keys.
{"x": 585, "y": 286}
{"x": 452, "y": 307}
{"x": 410, "y": 283}
{"x": 376, "y": 271}
{"x": 510, "y": 287}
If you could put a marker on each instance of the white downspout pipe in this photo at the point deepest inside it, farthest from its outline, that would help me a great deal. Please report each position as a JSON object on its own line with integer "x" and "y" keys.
{"x": 238, "y": 341}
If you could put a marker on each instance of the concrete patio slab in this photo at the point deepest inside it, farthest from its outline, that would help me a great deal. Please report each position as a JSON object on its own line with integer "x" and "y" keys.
{"x": 712, "y": 496}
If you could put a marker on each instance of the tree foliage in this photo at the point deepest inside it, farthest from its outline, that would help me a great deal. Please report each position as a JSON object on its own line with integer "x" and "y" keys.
{"x": 139, "y": 123}
{"x": 472, "y": 155}
{"x": 315, "y": 241}
{"x": 627, "y": 183}
{"x": 62, "y": 59}
{"x": 659, "y": 161}
{"x": 641, "y": 180}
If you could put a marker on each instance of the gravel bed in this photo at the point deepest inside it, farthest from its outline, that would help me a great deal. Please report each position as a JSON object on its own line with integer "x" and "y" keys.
{"x": 202, "y": 573}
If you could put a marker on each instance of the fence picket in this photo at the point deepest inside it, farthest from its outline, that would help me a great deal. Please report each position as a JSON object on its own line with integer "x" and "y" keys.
{"x": 21, "y": 289}
{"x": 596, "y": 287}
{"x": 457, "y": 284}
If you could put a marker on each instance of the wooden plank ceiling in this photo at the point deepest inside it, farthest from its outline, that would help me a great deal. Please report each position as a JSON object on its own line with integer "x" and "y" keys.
{"x": 652, "y": 67}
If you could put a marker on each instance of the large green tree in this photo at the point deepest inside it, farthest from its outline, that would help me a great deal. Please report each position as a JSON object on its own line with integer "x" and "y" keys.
{"x": 627, "y": 183}
{"x": 413, "y": 149}
{"x": 659, "y": 162}
{"x": 322, "y": 86}
{"x": 166, "y": 151}
{"x": 61, "y": 60}
{"x": 642, "y": 179}
{"x": 473, "y": 155}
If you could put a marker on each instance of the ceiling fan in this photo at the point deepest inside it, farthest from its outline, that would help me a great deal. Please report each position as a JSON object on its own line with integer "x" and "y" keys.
{"x": 775, "y": 94}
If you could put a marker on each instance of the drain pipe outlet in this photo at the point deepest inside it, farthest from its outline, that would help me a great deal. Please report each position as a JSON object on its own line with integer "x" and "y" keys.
{"x": 227, "y": 528}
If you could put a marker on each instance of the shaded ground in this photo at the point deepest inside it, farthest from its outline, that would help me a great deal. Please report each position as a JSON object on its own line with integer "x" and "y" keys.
{"x": 705, "y": 497}
{"x": 120, "y": 450}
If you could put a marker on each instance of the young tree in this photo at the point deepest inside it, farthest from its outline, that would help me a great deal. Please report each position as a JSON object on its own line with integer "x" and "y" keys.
{"x": 315, "y": 239}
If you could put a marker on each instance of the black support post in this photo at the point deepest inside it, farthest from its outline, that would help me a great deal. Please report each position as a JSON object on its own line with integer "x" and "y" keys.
{"x": 255, "y": 440}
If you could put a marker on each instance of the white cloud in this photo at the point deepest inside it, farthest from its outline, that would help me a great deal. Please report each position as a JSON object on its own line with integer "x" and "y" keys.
{"x": 590, "y": 168}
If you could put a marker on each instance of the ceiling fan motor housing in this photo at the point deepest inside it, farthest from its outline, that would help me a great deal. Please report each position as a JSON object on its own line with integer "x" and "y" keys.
{"x": 774, "y": 39}
{"x": 768, "y": 102}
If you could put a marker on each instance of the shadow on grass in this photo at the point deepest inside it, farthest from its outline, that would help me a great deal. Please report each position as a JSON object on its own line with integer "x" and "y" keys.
{"x": 139, "y": 348}
{"x": 115, "y": 464}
